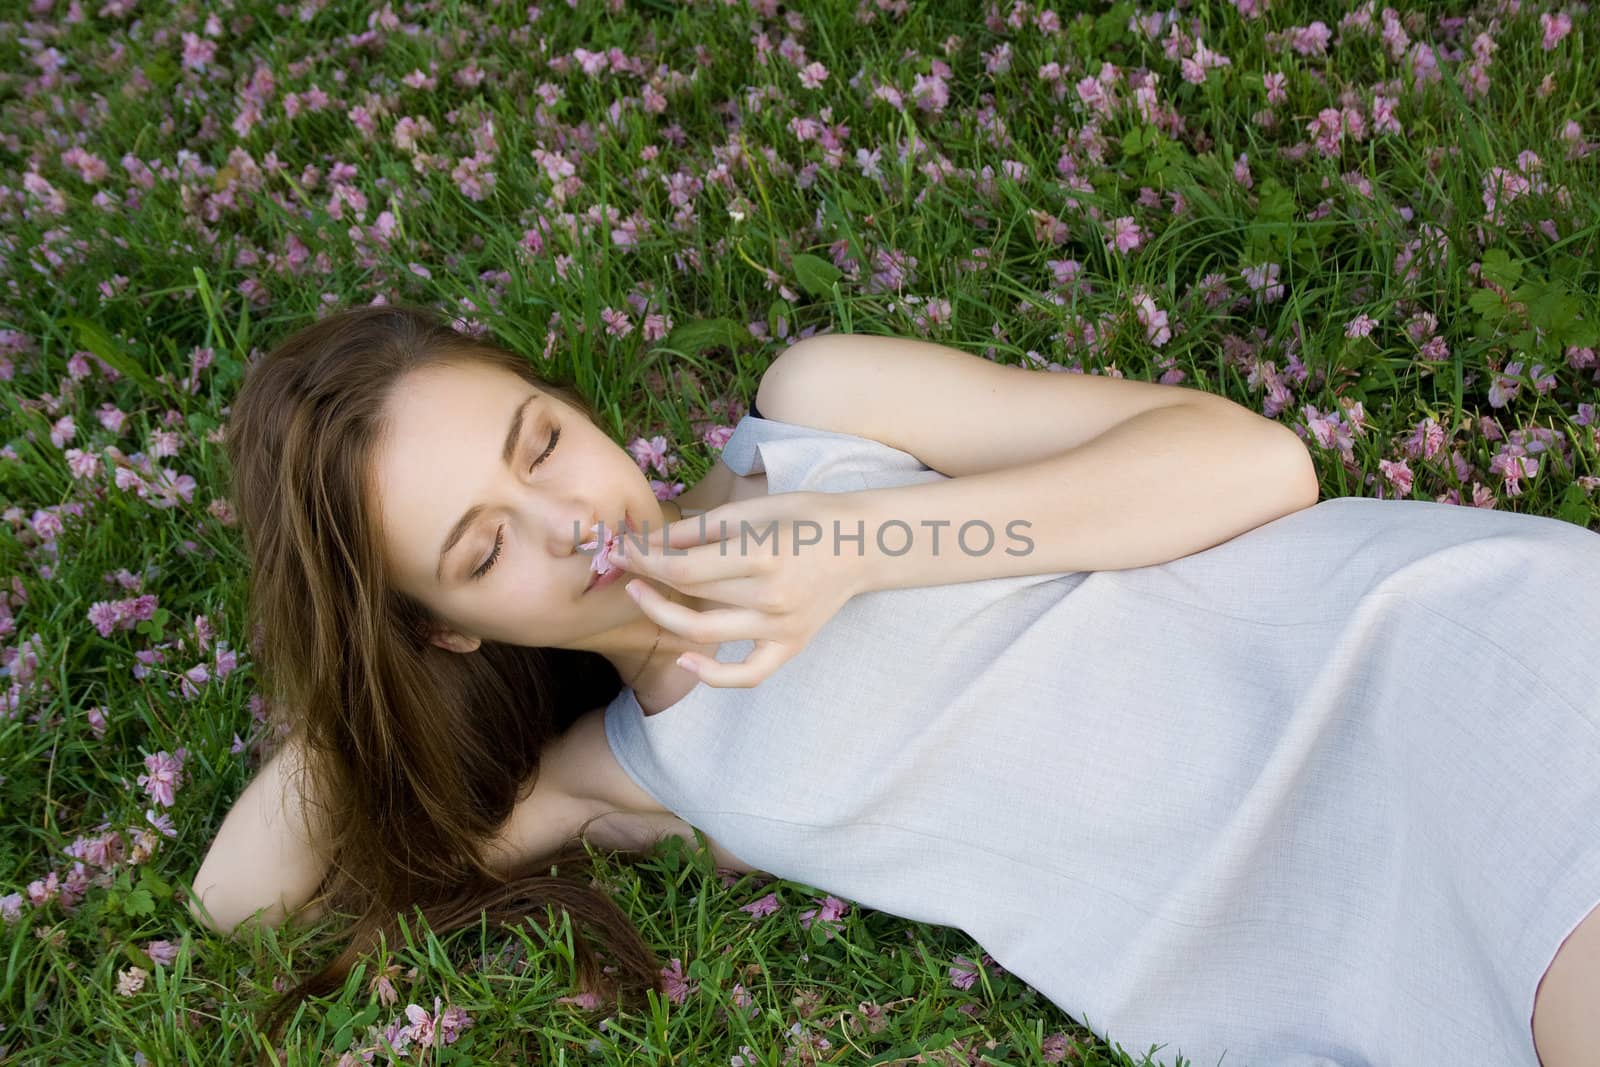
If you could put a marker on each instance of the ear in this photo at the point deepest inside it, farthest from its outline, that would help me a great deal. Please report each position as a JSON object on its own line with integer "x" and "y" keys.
{"x": 451, "y": 641}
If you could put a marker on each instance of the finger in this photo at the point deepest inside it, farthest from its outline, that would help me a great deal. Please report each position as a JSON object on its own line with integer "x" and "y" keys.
{"x": 690, "y": 568}
{"x": 679, "y": 534}
{"x": 745, "y": 591}
{"x": 701, "y": 627}
{"x": 766, "y": 657}
{"x": 715, "y": 524}
{"x": 736, "y": 586}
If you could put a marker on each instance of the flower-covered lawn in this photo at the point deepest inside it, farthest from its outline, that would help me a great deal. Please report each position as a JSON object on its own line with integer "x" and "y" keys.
{"x": 1375, "y": 224}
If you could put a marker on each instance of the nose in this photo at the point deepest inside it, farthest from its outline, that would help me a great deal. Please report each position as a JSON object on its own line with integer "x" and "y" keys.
{"x": 597, "y": 527}
{"x": 565, "y": 527}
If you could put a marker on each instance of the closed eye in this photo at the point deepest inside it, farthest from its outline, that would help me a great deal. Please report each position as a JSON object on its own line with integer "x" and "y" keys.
{"x": 555, "y": 435}
{"x": 499, "y": 534}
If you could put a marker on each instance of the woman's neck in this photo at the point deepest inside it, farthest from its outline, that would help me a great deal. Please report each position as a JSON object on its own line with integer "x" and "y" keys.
{"x": 658, "y": 672}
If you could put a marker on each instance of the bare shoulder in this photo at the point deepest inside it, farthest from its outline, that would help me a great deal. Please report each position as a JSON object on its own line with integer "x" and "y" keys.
{"x": 625, "y": 816}
{"x": 710, "y": 491}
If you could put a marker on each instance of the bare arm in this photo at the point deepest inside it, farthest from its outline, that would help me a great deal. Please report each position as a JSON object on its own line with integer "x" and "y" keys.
{"x": 261, "y": 860}
{"x": 260, "y": 857}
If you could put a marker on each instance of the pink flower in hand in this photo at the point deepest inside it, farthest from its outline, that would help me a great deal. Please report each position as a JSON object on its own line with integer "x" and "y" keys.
{"x": 604, "y": 543}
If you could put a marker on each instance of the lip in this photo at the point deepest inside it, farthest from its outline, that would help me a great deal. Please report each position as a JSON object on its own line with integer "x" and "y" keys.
{"x": 610, "y": 577}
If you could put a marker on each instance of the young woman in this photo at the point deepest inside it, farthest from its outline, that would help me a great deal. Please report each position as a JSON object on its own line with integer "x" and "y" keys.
{"x": 1295, "y": 784}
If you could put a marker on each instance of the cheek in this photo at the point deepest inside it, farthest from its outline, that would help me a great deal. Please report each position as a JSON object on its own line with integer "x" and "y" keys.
{"x": 530, "y": 583}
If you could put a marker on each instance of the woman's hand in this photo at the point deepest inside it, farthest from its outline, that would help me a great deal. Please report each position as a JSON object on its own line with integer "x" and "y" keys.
{"x": 776, "y": 560}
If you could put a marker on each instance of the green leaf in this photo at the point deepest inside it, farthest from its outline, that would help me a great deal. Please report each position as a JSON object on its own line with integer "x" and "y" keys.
{"x": 1112, "y": 27}
{"x": 1274, "y": 203}
{"x": 139, "y": 902}
{"x": 155, "y": 625}
{"x": 779, "y": 309}
{"x": 200, "y": 423}
{"x": 1133, "y": 142}
{"x": 1568, "y": 308}
{"x": 138, "y": 955}
{"x": 1487, "y": 304}
{"x": 815, "y": 274}
{"x": 151, "y": 881}
{"x": 161, "y": 71}
{"x": 1544, "y": 307}
{"x": 96, "y": 340}
{"x": 1169, "y": 163}
{"x": 1485, "y": 329}
{"x": 1499, "y": 268}
{"x": 700, "y": 334}
{"x": 1574, "y": 506}
{"x": 338, "y": 1017}
{"x": 348, "y": 1024}
{"x": 1583, "y": 334}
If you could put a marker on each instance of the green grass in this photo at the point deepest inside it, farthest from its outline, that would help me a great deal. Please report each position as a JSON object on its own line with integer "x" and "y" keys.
{"x": 953, "y": 239}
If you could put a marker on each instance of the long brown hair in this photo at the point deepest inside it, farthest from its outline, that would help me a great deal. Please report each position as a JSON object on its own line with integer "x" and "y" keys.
{"x": 414, "y": 755}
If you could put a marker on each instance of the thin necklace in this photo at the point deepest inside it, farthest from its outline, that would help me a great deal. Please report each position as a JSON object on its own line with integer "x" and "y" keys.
{"x": 647, "y": 658}
{"x": 651, "y": 655}
{"x": 653, "y": 647}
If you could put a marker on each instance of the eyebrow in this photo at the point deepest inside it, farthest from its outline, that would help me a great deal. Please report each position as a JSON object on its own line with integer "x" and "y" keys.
{"x": 507, "y": 451}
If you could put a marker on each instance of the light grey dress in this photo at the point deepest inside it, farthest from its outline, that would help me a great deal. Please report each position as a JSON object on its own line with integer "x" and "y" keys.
{"x": 1327, "y": 793}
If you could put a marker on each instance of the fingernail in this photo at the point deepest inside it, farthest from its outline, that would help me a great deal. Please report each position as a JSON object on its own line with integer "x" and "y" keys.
{"x": 633, "y": 589}
{"x": 686, "y": 663}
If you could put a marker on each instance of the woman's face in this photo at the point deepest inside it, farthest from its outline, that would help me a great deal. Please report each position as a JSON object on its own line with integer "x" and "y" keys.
{"x": 513, "y": 571}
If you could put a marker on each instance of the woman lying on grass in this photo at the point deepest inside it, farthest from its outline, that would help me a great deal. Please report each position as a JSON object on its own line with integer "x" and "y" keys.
{"x": 1208, "y": 763}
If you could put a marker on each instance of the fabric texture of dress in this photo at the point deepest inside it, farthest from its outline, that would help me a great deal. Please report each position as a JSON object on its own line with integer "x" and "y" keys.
{"x": 1325, "y": 794}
